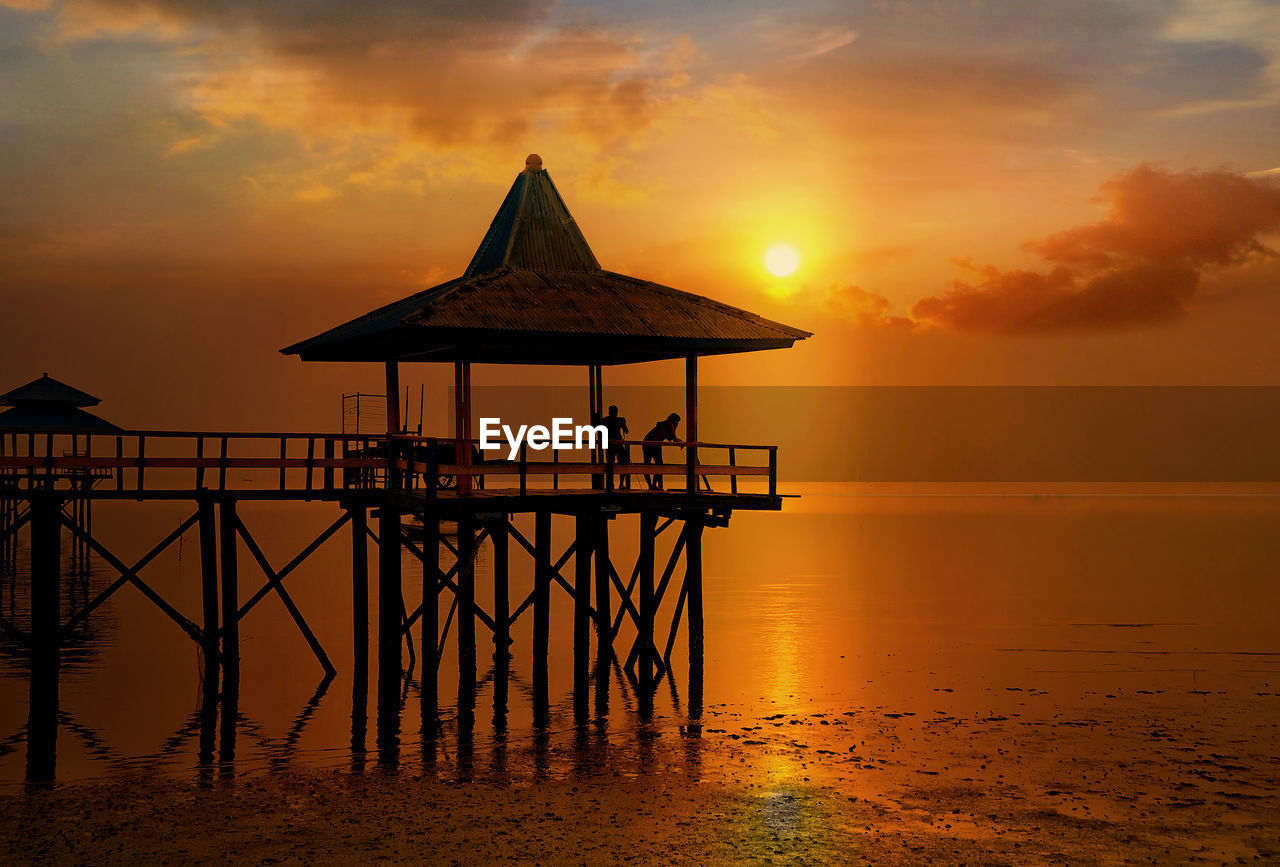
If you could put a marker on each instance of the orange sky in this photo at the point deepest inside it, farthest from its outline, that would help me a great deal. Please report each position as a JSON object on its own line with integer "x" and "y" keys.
{"x": 980, "y": 192}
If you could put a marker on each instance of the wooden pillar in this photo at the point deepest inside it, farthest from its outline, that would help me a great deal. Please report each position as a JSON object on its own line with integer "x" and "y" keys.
{"x": 230, "y": 631}
{"x": 604, "y": 625}
{"x": 430, "y": 622}
{"x": 691, "y": 421}
{"x": 693, "y": 588}
{"x": 499, "y": 537}
{"x": 230, "y": 594}
{"x": 360, "y": 584}
{"x": 209, "y": 630}
{"x": 389, "y": 618}
{"x": 584, "y": 529}
{"x": 648, "y": 533}
{"x": 466, "y": 600}
{"x": 393, "y": 397}
{"x": 604, "y": 617}
{"x": 360, "y": 634}
{"x": 46, "y": 588}
{"x": 541, "y": 613}
{"x": 462, "y": 421}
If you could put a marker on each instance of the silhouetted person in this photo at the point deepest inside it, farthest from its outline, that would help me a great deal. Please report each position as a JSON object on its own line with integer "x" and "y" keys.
{"x": 616, "y": 425}
{"x": 663, "y": 431}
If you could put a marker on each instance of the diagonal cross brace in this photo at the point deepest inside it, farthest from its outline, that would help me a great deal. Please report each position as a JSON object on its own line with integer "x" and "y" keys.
{"x": 658, "y": 595}
{"x": 555, "y": 573}
{"x": 274, "y": 583}
{"x": 132, "y": 577}
{"x": 444, "y": 579}
{"x": 291, "y": 565}
{"x": 155, "y": 552}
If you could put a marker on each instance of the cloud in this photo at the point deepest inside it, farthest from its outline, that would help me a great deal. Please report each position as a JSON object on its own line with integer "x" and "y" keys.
{"x": 1144, "y": 263}
{"x": 452, "y": 75}
{"x": 868, "y": 309}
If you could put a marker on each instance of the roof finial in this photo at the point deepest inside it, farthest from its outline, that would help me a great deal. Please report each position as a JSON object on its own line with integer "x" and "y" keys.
{"x": 533, "y": 163}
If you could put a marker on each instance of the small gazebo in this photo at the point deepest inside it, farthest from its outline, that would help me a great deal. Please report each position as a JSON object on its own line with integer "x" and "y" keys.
{"x": 47, "y": 404}
{"x": 534, "y": 293}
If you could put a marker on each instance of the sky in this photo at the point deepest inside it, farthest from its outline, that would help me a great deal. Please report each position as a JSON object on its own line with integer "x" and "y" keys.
{"x": 979, "y": 193}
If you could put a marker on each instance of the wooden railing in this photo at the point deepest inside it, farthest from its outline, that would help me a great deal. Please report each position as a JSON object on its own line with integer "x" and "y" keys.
{"x": 306, "y": 464}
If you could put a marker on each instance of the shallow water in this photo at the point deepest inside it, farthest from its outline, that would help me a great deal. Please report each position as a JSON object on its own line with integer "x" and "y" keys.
{"x": 1107, "y": 655}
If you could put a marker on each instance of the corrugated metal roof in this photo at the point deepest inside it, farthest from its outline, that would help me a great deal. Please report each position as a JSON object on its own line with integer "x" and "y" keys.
{"x": 533, "y": 229}
{"x": 534, "y": 292}
{"x": 46, "y": 389}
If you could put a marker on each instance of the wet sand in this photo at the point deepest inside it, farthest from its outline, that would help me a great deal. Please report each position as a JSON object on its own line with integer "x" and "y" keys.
{"x": 861, "y": 786}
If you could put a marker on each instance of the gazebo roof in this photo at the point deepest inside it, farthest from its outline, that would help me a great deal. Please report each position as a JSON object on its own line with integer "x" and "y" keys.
{"x": 53, "y": 416}
{"x": 48, "y": 390}
{"x": 535, "y": 294}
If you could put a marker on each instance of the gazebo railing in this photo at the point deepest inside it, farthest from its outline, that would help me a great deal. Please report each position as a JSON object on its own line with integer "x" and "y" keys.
{"x": 152, "y": 462}
{"x": 434, "y": 463}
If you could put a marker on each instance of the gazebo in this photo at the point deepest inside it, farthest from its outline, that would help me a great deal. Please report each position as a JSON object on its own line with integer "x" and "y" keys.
{"x": 534, "y": 293}
{"x": 47, "y": 404}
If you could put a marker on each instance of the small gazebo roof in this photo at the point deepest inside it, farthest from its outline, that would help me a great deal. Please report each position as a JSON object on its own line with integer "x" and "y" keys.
{"x": 46, "y": 389}
{"x": 47, "y": 404}
{"x": 535, "y": 294}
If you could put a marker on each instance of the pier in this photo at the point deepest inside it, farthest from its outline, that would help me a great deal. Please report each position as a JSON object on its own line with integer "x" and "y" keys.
{"x": 533, "y": 294}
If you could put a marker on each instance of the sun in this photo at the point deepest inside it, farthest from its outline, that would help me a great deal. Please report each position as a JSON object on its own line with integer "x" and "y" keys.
{"x": 781, "y": 260}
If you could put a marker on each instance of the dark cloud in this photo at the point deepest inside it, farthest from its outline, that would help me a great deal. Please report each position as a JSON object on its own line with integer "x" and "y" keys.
{"x": 1142, "y": 264}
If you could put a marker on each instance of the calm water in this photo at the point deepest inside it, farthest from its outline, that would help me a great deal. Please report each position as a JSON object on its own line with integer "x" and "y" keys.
{"x": 1041, "y": 609}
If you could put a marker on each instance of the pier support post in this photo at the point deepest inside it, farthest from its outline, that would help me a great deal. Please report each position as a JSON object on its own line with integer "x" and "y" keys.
{"x": 648, "y": 534}
{"x": 230, "y": 594}
{"x": 430, "y": 622}
{"x": 499, "y": 537}
{"x": 584, "y": 530}
{"x": 360, "y": 632}
{"x": 466, "y": 601}
{"x": 46, "y": 590}
{"x": 693, "y": 587}
{"x": 604, "y": 619}
{"x": 541, "y": 613}
{"x": 360, "y": 584}
{"x": 389, "y": 617}
{"x": 230, "y": 629}
{"x": 209, "y": 627}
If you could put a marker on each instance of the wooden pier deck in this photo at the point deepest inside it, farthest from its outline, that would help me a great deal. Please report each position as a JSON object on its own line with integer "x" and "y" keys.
{"x": 374, "y": 482}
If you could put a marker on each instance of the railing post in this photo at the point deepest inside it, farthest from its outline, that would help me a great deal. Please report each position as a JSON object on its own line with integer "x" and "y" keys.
{"x": 142, "y": 455}
{"x": 283, "y": 452}
{"x": 311, "y": 458}
{"x": 773, "y": 471}
{"x": 433, "y": 467}
{"x": 328, "y": 467}
{"x": 733, "y": 477}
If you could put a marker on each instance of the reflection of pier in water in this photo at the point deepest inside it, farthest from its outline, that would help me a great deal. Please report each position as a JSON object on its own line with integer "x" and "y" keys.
{"x": 533, "y": 294}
